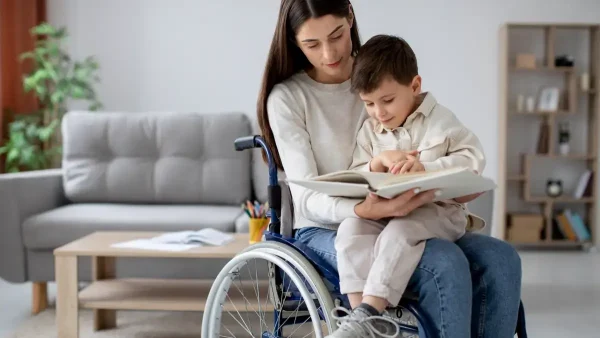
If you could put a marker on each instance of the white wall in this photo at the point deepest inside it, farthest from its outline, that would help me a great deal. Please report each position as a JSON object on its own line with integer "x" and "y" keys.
{"x": 208, "y": 56}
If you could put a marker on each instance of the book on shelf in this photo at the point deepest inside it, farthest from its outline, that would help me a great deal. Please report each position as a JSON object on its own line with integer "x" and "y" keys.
{"x": 572, "y": 227}
{"x": 452, "y": 183}
{"x": 584, "y": 185}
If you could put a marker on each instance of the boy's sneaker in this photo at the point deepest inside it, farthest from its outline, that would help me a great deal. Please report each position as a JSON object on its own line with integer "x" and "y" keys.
{"x": 361, "y": 324}
{"x": 387, "y": 325}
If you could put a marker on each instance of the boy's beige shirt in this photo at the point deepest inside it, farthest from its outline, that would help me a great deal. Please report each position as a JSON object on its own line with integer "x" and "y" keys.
{"x": 441, "y": 139}
{"x": 432, "y": 129}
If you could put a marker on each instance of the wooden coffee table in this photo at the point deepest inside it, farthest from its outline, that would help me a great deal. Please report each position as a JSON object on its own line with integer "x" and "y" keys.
{"x": 108, "y": 293}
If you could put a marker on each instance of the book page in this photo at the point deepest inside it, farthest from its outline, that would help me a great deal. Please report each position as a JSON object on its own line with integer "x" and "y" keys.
{"x": 374, "y": 180}
{"x": 414, "y": 177}
{"x": 348, "y": 176}
{"x": 451, "y": 184}
{"x": 377, "y": 180}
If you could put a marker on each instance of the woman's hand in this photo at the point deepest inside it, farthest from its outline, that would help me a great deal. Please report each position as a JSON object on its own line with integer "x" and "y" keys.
{"x": 375, "y": 207}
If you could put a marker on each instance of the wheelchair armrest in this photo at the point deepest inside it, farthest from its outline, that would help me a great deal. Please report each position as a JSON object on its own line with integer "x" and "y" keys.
{"x": 287, "y": 210}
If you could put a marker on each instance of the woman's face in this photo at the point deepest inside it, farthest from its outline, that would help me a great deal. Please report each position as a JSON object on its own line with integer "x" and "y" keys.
{"x": 327, "y": 44}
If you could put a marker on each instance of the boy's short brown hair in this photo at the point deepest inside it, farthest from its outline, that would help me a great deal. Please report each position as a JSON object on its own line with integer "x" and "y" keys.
{"x": 382, "y": 56}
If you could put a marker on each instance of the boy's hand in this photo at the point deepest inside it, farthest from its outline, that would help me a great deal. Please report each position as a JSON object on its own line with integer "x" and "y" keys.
{"x": 410, "y": 165}
{"x": 387, "y": 159}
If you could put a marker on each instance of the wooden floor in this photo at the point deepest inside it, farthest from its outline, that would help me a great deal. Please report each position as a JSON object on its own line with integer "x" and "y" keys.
{"x": 561, "y": 294}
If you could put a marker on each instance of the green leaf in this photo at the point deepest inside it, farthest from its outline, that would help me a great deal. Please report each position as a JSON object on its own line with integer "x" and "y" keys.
{"x": 17, "y": 126}
{"x": 29, "y": 83}
{"x": 27, "y": 156}
{"x": 57, "y": 150}
{"x": 41, "y": 91}
{"x": 12, "y": 156}
{"x": 95, "y": 106}
{"x": 4, "y": 149}
{"x": 41, "y": 74}
{"x": 78, "y": 92}
{"x": 54, "y": 50}
{"x": 91, "y": 63}
{"x": 40, "y": 53}
{"x": 57, "y": 97}
{"x": 26, "y": 55}
{"x": 18, "y": 139}
{"x": 32, "y": 131}
{"x": 60, "y": 33}
{"x": 43, "y": 29}
{"x": 82, "y": 73}
{"x": 49, "y": 68}
{"x": 46, "y": 132}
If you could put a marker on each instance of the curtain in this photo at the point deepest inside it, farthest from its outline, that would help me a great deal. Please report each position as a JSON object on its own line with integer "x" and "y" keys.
{"x": 17, "y": 17}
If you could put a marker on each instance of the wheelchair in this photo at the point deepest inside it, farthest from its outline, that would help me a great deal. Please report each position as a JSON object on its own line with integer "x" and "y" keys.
{"x": 299, "y": 289}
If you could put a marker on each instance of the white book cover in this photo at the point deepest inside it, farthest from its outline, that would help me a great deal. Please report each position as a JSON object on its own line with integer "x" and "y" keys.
{"x": 582, "y": 184}
{"x": 455, "y": 182}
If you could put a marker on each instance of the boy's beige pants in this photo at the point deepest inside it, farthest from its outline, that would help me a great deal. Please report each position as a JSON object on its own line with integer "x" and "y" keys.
{"x": 377, "y": 258}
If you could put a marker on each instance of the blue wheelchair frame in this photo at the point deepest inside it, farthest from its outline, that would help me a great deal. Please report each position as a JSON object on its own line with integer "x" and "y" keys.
{"x": 329, "y": 274}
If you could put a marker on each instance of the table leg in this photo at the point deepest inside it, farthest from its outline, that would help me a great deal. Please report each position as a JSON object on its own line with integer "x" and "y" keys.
{"x": 67, "y": 304}
{"x": 104, "y": 268}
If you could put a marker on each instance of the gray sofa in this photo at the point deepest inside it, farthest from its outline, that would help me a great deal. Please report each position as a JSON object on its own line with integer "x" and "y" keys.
{"x": 134, "y": 171}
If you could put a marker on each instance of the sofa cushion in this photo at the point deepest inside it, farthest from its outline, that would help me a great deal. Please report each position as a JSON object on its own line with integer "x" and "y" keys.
{"x": 60, "y": 226}
{"x": 155, "y": 158}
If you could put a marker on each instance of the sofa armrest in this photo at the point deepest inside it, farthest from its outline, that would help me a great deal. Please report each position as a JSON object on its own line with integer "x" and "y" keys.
{"x": 24, "y": 195}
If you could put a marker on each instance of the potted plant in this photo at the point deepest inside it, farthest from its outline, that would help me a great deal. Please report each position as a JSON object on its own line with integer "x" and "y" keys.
{"x": 56, "y": 80}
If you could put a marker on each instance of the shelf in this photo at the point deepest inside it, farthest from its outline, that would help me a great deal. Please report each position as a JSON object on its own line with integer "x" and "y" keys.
{"x": 543, "y": 113}
{"x": 589, "y": 91}
{"x": 559, "y": 25}
{"x": 540, "y": 199}
{"x": 159, "y": 294}
{"x": 544, "y": 69}
{"x": 552, "y": 244}
{"x": 524, "y": 169}
{"x": 567, "y": 157}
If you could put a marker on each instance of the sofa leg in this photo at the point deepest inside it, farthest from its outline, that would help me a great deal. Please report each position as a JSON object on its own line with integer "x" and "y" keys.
{"x": 40, "y": 297}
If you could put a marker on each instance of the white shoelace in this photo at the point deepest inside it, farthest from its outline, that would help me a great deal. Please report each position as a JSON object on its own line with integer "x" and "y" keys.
{"x": 371, "y": 330}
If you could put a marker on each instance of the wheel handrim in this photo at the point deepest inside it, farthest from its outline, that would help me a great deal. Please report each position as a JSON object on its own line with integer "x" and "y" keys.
{"x": 225, "y": 282}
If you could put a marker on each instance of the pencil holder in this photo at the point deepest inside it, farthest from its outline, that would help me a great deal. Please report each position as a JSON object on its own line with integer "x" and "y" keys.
{"x": 257, "y": 226}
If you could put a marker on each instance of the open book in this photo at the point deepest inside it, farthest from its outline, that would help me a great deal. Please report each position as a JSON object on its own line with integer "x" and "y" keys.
{"x": 207, "y": 236}
{"x": 454, "y": 182}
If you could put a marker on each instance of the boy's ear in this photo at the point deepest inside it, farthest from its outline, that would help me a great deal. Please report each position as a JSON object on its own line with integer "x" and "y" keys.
{"x": 416, "y": 85}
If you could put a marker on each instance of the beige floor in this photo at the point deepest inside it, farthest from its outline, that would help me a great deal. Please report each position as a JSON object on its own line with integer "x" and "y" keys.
{"x": 561, "y": 292}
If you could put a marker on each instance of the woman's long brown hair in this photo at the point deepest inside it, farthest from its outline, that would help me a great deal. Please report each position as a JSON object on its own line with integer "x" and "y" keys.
{"x": 285, "y": 57}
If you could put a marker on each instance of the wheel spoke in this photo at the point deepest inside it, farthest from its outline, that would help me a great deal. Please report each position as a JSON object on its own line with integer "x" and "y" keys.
{"x": 245, "y": 326}
{"x": 298, "y": 296}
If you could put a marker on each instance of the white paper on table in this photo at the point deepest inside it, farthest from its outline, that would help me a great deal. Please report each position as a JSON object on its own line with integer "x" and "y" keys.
{"x": 207, "y": 236}
{"x": 148, "y": 244}
{"x": 177, "y": 237}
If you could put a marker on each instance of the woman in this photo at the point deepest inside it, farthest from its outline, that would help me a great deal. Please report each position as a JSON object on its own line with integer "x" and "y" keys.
{"x": 309, "y": 118}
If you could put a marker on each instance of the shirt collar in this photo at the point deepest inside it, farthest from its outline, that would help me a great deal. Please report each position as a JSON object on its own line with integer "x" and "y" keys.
{"x": 424, "y": 108}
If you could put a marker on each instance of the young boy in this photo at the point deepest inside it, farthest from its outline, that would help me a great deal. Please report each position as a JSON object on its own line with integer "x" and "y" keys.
{"x": 408, "y": 131}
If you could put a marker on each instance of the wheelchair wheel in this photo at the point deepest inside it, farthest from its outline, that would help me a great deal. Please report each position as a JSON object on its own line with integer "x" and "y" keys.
{"x": 289, "y": 299}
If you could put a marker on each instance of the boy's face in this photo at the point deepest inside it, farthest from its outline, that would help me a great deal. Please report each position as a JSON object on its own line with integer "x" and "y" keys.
{"x": 392, "y": 102}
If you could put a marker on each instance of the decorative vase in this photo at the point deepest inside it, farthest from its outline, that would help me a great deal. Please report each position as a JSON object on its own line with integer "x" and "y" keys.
{"x": 564, "y": 136}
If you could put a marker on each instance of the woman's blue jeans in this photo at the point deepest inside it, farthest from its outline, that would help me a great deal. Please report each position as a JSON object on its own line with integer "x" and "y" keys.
{"x": 470, "y": 288}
